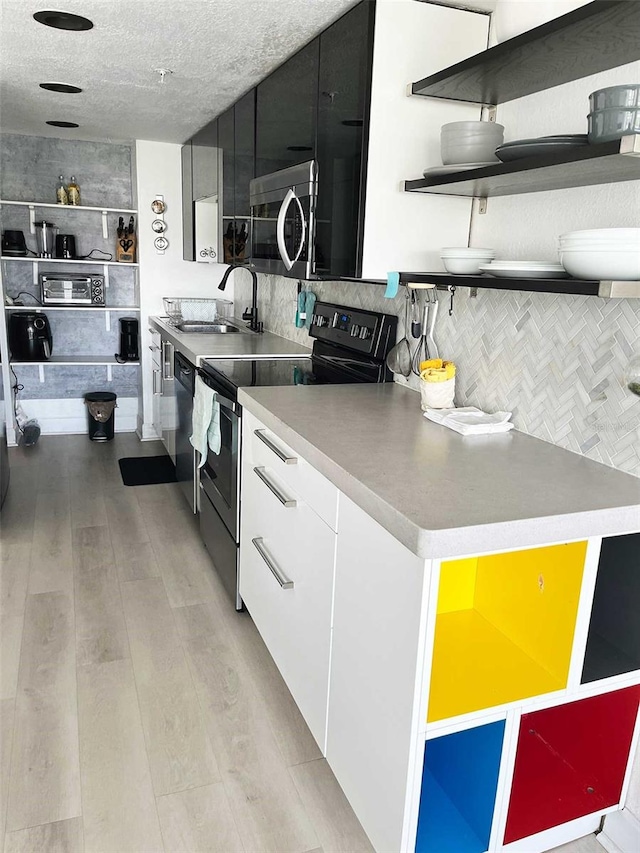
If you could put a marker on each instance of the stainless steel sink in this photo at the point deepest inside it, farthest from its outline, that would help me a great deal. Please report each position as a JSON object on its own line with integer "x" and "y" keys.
{"x": 193, "y": 326}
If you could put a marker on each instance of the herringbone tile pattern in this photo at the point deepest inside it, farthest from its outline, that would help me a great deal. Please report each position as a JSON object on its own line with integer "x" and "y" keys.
{"x": 555, "y": 361}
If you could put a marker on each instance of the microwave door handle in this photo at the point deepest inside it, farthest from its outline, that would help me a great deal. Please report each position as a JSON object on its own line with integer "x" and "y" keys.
{"x": 282, "y": 215}
{"x": 303, "y": 236}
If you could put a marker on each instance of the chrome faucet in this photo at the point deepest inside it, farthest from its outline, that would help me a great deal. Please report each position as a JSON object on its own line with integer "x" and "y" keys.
{"x": 250, "y": 314}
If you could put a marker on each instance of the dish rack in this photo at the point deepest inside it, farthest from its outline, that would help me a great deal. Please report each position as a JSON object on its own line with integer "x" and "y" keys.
{"x": 179, "y": 309}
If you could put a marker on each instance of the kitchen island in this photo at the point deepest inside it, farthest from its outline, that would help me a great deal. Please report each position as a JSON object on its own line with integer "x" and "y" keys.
{"x": 455, "y": 616}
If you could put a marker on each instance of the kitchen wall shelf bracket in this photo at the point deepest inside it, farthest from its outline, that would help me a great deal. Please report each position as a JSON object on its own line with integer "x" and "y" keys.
{"x": 91, "y": 308}
{"x": 601, "y": 35}
{"x": 565, "y": 286}
{"x": 607, "y": 162}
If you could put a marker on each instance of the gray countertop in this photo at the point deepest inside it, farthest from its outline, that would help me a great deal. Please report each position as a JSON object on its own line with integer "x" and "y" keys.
{"x": 440, "y": 493}
{"x": 196, "y": 346}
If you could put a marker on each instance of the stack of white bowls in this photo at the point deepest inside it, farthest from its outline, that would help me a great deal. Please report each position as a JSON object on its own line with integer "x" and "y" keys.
{"x": 465, "y": 260}
{"x": 602, "y": 253}
{"x": 466, "y": 142}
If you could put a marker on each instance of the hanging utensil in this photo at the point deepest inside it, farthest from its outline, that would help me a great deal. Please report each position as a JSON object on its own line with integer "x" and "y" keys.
{"x": 399, "y": 358}
{"x": 421, "y": 353}
{"x": 433, "y": 313}
{"x": 416, "y": 328}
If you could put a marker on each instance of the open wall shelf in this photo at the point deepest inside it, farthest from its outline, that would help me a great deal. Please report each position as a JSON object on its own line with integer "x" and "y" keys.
{"x": 613, "y": 643}
{"x": 604, "y": 163}
{"x": 504, "y": 628}
{"x": 75, "y": 361}
{"x": 601, "y": 35}
{"x": 46, "y": 261}
{"x": 459, "y": 782}
{"x": 570, "y": 761}
{"x": 97, "y": 308}
{"x": 568, "y": 286}
{"x": 66, "y": 206}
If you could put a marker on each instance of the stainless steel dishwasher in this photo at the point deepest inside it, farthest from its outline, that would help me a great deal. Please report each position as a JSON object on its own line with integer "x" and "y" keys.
{"x": 185, "y": 373}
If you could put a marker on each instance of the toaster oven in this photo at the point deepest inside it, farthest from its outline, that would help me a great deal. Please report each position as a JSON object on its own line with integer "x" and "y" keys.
{"x": 72, "y": 289}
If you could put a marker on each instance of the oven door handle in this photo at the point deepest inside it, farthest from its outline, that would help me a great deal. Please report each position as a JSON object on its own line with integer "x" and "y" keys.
{"x": 224, "y": 402}
{"x": 282, "y": 215}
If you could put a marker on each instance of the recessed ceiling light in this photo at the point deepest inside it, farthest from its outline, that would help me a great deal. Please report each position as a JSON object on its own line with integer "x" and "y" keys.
{"x": 61, "y": 87}
{"x": 299, "y": 148}
{"x": 63, "y": 124}
{"x": 63, "y": 20}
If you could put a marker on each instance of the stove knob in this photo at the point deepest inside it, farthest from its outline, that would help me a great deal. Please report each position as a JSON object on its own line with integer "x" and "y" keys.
{"x": 355, "y": 331}
{"x": 365, "y": 333}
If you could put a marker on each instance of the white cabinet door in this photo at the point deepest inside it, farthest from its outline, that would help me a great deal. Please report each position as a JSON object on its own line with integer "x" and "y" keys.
{"x": 168, "y": 402}
{"x": 287, "y": 556}
{"x": 377, "y": 663}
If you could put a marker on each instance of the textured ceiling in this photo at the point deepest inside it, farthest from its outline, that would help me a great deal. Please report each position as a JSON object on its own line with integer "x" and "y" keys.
{"x": 216, "y": 49}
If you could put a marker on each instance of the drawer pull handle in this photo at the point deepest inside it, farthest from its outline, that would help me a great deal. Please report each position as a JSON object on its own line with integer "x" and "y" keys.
{"x": 287, "y": 502}
{"x": 288, "y": 460}
{"x": 284, "y": 582}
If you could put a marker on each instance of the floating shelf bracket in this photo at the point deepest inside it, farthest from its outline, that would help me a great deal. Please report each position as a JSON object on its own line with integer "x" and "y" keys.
{"x": 35, "y": 273}
{"x": 109, "y": 373}
{"x": 105, "y": 225}
{"x": 105, "y": 271}
{"x": 41, "y": 372}
{"x": 32, "y": 219}
{"x": 107, "y": 321}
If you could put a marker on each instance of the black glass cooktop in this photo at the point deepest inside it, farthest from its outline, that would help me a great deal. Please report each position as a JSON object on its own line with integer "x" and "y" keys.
{"x": 256, "y": 373}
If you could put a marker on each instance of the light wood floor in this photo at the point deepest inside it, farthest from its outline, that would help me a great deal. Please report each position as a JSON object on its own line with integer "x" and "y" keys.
{"x": 139, "y": 711}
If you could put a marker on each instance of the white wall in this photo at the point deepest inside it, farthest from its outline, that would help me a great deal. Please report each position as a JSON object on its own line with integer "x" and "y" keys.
{"x": 159, "y": 173}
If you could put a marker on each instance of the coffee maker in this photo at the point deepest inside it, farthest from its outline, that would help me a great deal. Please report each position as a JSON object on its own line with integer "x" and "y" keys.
{"x": 128, "y": 340}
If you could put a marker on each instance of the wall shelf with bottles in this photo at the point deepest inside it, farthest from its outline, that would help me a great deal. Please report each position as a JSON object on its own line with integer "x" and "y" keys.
{"x": 596, "y": 37}
{"x": 33, "y": 205}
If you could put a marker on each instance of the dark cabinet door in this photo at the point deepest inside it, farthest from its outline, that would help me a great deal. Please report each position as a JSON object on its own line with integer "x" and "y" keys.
{"x": 346, "y": 51}
{"x": 244, "y": 162}
{"x": 245, "y": 149}
{"x": 188, "y": 225}
{"x": 226, "y": 144}
{"x": 286, "y": 113}
{"x": 205, "y": 161}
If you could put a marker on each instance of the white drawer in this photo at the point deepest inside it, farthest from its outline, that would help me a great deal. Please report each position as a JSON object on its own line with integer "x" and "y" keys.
{"x": 262, "y": 447}
{"x": 287, "y": 556}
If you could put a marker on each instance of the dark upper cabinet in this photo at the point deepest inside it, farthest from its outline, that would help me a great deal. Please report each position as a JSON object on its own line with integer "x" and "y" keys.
{"x": 245, "y": 151}
{"x": 286, "y": 109}
{"x": 226, "y": 143}
{"x": 205, "y": 161}
{"x": 188, "y": 225}
{"x": 346, "y": 53}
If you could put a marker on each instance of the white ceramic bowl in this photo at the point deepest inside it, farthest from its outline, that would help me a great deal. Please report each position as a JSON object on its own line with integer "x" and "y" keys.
{"x": 598, "y": 263}
{"x": 465, "y": 260}
{"x": 460, "y": 128}
{"x": 597, "y": 236}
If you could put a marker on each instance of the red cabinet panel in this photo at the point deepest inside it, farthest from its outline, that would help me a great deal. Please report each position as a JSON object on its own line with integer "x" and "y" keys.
{"x": 570, "y": 761}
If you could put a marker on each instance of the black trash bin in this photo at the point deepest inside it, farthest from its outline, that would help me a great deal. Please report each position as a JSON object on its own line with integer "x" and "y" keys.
{"x": 101, "y": 412}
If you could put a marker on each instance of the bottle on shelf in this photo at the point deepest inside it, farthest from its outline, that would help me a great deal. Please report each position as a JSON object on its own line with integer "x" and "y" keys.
{"x": 62, "y": 196}
{"x": 73, "y": 192}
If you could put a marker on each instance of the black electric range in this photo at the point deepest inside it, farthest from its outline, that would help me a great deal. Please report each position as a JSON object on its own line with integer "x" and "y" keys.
{"x": 350, "y": 346}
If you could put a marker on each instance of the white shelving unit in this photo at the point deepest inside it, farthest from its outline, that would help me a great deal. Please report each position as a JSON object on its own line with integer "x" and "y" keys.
{"x": 107, "y": 361}
{"x": 36, "y": 205}
{"x": 94, "y": 261}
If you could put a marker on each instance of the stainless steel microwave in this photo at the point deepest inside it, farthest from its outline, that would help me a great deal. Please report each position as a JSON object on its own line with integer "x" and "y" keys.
{"x": 283, "y": 207}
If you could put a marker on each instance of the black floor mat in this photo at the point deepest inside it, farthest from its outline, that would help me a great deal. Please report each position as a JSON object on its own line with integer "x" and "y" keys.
{"x": 147, "y": 470}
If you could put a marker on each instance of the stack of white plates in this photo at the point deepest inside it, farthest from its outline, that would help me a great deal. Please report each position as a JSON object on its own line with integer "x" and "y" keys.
{"x": 602, "y": 253}
{"x": 524, "y": 269}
